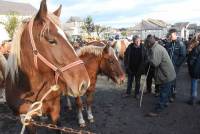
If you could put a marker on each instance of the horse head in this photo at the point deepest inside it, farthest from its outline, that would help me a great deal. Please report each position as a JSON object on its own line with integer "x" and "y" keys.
{"x": 110, "y": 65}
{"x": 45, "y": 52}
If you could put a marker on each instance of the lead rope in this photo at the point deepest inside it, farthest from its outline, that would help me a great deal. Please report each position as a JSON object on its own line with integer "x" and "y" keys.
{"x": 35, "y": 109}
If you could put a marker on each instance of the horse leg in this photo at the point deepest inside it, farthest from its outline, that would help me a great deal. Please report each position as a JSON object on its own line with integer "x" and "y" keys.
{"x": 79, "y": 103}
{"x": 69, "y": 104}
{"x": 30, "y": 129}
{"x": 55, "y": 115}
{"x": 89, "y": 106}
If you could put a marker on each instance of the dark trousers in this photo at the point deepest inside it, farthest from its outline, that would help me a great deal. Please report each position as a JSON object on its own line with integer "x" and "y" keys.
{"x": 149, "y": 81}
{"x": 173, "y": 89}
{"x": 173, "y": 85}
{"x": 131, "y": 77}
{"x": 164, "y": 96}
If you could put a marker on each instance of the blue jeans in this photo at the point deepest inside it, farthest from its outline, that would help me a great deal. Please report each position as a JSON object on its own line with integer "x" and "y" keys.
{"x": 173, "y": 84}
{"x": 194, "y": 84}
{"x": 164, "y": 96}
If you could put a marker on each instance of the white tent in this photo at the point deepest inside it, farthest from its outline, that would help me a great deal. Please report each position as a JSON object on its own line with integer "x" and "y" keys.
{"x": 3, "y": 34}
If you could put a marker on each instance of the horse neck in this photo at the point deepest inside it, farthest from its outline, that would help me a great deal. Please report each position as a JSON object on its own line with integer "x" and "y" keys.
{"x": 92, "y": 64}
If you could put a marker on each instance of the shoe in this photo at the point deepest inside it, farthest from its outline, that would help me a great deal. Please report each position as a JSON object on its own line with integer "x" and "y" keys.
{"x": 137, "y": 97}
{"x": 153, "y": 114}
{"x": 174, "y": 95}
{"x": 157, "y": 94}
{"x": 148, "y": 91}
{"x": 171, "y": 99}
{"x": 191, "y": 102}
{"x": 167, "y": 104}
{"x": 125, "y": 95}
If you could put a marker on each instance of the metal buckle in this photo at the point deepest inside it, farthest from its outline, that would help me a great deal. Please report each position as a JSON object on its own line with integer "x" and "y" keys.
{"x": 58, "y": 71}
{"x": 35, "y": 52}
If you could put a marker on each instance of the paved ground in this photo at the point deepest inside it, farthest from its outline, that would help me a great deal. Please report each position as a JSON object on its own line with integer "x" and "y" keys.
{"x": 114, "y": 115}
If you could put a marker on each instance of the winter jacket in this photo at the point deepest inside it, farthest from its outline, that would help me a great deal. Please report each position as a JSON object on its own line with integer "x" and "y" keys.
{"x": 128, "y": 60}
{"x": 164, "y": 69}
{"x": 177, "y": 52}
{"x": 194, "y": 62}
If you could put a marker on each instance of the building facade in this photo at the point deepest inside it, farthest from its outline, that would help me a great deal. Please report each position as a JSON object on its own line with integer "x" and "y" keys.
{"x": 151, "y": 26}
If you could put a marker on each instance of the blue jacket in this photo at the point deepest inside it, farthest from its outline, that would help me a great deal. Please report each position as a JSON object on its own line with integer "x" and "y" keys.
{"x": 194, "y": 62}
{"x": 177, "y": 52}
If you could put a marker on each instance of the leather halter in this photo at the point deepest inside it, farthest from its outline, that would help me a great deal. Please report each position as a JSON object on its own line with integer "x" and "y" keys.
{"x": 37, "y": 55}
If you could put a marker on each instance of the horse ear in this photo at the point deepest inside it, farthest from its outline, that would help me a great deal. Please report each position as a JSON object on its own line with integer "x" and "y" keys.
{"x": 42, "y": 13}
{"x": 106, "y": 49}
{"x": 58, "y": 11}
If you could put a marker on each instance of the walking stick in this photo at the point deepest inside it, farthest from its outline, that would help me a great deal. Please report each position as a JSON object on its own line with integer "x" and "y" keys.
{"x": 144, "y": 86}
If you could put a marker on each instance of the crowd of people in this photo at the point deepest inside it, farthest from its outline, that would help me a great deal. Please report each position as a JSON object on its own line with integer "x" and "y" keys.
{"x": 161, "y": 61}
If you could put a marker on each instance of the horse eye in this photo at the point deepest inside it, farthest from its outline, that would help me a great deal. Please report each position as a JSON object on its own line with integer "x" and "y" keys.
{"x": 111, "y": 61}
{"x": 52, "y": 41}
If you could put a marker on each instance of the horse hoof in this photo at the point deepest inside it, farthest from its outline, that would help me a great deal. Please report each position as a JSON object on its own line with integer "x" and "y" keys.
{"x": 91, "y": 120}
{"x": 82, "y": 125}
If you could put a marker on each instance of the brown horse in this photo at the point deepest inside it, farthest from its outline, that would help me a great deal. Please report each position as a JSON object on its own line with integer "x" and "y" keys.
{"x": 120, "y": 47}
{"x": 99, "y": 59}
{"x": 42, "y": 62}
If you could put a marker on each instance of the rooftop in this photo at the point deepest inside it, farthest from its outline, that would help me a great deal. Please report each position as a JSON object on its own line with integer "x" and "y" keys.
{"x": 146, "y": 25}
{"x": 74, "y": 19}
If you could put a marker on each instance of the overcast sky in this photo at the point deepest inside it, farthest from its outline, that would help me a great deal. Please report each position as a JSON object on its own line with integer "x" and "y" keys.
{"x": 126, "y": 13}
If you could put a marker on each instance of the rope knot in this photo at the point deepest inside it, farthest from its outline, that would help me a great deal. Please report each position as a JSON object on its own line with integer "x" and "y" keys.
{"x": 55, "y": 88}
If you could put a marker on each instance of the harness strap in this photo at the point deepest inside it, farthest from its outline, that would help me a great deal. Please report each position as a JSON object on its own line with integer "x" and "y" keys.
{"x": 37, "y": 55}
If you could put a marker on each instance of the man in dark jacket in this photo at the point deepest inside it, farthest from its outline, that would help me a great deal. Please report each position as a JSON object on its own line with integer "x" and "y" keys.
{"x": 164, "y": 72}
{"x": 177, "y": 52}
{"x": 135, "y": 60}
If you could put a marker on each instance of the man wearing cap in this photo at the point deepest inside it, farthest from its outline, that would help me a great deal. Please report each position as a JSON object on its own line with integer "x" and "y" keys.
{"x": 164, "y": 72}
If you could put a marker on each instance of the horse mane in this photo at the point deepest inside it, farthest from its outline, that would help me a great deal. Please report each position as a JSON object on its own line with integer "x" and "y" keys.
{"x": 3, "y": 64}
{"x": 96, "y": 43}
{"x": 14, "y": 59}
{"x": 90, "y": 49}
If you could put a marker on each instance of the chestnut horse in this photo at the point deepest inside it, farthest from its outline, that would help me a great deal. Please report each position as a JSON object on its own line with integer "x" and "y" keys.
{"x": 120, "y": 47}
{"x": 41, "y": 64}
{"x": 99, "y": 59}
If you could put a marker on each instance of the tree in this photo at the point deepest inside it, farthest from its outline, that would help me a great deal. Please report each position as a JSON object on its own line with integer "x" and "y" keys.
{"x": 11, "y": 23}
{"x": 124, "y": 33}
{"x": 99, "y": 29}
{"x": 88, "y": 25}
